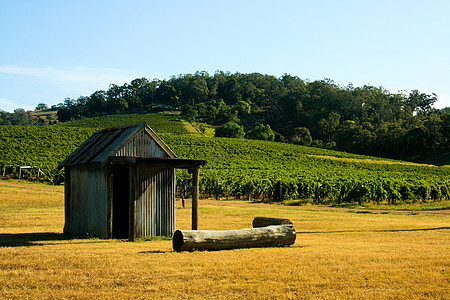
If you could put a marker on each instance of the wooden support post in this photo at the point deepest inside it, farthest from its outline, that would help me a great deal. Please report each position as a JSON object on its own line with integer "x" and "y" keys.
{"x": 195, "y": 194}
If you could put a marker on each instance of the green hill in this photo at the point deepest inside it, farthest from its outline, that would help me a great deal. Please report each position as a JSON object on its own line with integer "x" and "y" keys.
{"x": 262, "y": 170}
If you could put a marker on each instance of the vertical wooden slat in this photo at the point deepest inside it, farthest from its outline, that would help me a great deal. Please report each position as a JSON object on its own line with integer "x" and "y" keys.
{"x": 132, "y": 204}
{"x": 93, "y": 199}
{"x": 139, "y": 202}
{"x": 67, "y": 199}
{"x": 142, "y": 146}
{"x": 172, "y": 199}
{"x": 195, "y": 192}
{"x": 109, "y": 208}
{"x": 102, "y": 200}
{"x": 153, "y": 204}
{"x": 75, "y": 200}
{"x": 84, "y": 199}
{"x": 158, "y": 202}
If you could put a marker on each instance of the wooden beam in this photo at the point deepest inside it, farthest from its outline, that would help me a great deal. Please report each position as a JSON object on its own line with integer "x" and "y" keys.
{"x": 155, "y": 162}
{"x": 195, "y": 194}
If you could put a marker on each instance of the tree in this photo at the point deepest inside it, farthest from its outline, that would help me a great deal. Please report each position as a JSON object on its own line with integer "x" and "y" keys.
{"x": 64, "y": 114}
{"x": 420, "y": 102}
{"x": 189, "y": 112}
{"x": 243, "y": 108}
{"x": 69, "y": 102}
{"x": 166, "y": 94}
{"x": 261, "y": 132}
{"x": 301, "y": 136}
{"x": 356, "y": 137}
{"x": 96, "y": 103}
{"x": 199, "y": 89}
{"x": 231, "y": 130}
{"x": 117, "y": 105}
{"x": 41, "y": 106}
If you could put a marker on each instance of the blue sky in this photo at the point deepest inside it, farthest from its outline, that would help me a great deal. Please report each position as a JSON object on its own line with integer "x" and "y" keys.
{"x": 50, "y": 50}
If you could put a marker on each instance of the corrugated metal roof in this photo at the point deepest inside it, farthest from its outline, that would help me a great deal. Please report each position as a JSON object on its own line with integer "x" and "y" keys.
{"x": 106, "y": 142}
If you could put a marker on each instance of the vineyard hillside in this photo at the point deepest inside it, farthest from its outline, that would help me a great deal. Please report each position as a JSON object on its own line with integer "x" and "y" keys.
{"x": 258, "y": 170}
{"x": 167, "y": 122}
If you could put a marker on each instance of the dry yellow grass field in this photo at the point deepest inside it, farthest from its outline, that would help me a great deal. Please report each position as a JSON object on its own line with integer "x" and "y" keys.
{"x": 339, "y": 254}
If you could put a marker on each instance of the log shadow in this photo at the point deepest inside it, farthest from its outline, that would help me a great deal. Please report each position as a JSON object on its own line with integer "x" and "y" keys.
{"x": 379, "y": 230}
{"x": 31, "y": 239}
{"x": 155, "y": 252}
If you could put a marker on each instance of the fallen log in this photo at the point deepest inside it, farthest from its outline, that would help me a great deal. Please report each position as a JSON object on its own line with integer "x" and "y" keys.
{"x": 263, "y": 222}
{"x": 270, "y": 236}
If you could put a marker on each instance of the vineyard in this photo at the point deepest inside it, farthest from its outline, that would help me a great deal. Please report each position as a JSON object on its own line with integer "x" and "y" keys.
{"x": 38, "y": 145}
{"x": 269, "y": 171}
{"x": 159, "y": 122}
{"x": 240, "y": 168}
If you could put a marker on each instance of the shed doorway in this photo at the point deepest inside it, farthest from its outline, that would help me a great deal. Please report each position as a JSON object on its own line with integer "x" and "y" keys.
{"x": 121, "y": 201}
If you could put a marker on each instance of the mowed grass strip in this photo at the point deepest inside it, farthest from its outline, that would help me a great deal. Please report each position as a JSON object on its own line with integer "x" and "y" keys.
{"x": 372, "y": 161}
{"x": 339, "y": 253}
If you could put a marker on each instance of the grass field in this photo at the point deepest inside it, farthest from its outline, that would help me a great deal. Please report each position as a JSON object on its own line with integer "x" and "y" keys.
{"x": 340, "y": 253}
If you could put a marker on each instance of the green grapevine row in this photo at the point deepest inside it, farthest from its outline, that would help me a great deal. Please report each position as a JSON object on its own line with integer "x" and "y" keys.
{"x": 273, "y": 172}
{"x": 42, "y": 146}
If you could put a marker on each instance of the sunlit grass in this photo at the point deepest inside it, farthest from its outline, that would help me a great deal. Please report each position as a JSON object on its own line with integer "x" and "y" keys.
{"x": 339, "y": 253}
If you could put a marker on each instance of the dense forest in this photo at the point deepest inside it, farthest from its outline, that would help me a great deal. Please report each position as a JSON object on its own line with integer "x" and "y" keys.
{"x": 367, "y": 120}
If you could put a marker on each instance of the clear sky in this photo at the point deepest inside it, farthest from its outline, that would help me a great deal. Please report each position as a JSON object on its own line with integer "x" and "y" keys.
{"x": 50, "y": 50}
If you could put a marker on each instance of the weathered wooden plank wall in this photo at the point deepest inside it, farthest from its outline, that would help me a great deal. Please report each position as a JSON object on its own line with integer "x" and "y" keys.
{"x": 97, "y": 198}
{"x": 101, "y": 199}
{"x": 155, "y": 206}
{"x": 75, "y": 200}
{"x": 86, "y": 200}
{"x": 67, "y": 200}
{"x": 141, "y": 146}
{"x": 83, "y": 200}
{"x": 93, "y": 179}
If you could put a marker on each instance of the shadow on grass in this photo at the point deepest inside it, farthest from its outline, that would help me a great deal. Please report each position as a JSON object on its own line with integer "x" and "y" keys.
{"x": 155, "y": 251}
{"x": 33, "y": 239}
{"x": 381, "y": 230}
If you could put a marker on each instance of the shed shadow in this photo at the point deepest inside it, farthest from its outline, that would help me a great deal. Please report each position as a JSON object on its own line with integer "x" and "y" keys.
{"x": 31, "y": 239}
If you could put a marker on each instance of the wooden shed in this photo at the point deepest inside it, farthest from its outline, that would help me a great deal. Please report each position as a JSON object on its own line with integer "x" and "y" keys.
{"x": 120, "y": 183}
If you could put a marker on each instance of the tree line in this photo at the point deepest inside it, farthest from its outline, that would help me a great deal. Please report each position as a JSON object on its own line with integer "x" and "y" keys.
{"x": 367, "y": 120}
{"x": 22, "y": 117}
